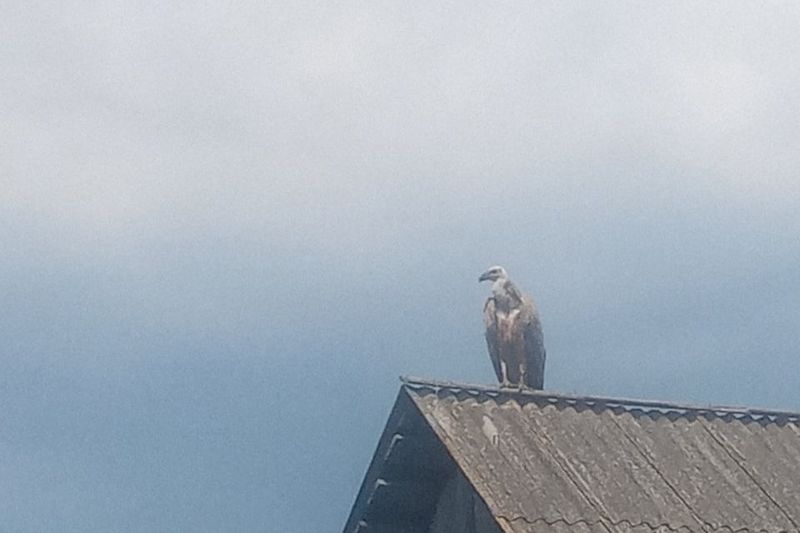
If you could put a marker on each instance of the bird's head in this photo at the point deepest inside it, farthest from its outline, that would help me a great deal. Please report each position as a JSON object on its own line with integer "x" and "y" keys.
{"x": 493, "y": 274}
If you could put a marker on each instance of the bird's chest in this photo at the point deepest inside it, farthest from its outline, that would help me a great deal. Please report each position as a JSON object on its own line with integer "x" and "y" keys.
{"x": 504, "y": 304}
{"x": 507, "y": 323}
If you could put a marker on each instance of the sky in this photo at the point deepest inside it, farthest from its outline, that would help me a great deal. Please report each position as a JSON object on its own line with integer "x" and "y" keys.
{"x": 228, "y": 227}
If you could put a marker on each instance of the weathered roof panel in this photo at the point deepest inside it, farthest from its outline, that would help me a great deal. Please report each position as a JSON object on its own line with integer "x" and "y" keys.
{"x": 549, "y": 462}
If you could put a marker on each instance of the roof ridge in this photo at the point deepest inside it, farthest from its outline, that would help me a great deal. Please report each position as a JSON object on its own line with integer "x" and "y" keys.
{"x": 628, "y": 404}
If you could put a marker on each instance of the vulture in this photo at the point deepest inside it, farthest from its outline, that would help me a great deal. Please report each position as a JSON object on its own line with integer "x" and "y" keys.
{"x": 513, "y": 333}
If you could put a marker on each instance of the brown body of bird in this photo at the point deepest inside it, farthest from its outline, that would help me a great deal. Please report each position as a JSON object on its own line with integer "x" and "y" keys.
{"x": 513, "y": 333}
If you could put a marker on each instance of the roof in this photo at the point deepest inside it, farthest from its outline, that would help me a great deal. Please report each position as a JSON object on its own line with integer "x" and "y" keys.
{"x": 550, "y": 462}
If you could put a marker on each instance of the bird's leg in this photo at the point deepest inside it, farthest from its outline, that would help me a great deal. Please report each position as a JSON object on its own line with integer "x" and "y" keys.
{"x": 504, "y": 383}
{"x": 523, "y": 374}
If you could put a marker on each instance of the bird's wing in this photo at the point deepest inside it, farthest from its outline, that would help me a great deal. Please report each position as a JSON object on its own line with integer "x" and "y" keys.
{"x": 534, "y": 345}
{"x": 492, "y": 336}
{"x": 513, "y": 292}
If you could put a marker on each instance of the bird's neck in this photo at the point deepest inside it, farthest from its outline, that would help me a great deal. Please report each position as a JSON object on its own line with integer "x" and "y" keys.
{"x": 499, "y": 287}
{"x": 505, "y": 296}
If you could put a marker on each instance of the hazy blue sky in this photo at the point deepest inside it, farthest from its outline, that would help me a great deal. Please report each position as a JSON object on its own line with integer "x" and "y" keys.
{"x": 227, "y": 227}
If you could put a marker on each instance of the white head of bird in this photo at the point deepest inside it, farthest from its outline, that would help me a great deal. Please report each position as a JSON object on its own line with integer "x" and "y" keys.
{"x": 493, "y": 274}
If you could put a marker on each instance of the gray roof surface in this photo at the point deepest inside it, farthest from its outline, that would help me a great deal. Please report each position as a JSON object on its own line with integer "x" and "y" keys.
{"x": 549, "y": 462}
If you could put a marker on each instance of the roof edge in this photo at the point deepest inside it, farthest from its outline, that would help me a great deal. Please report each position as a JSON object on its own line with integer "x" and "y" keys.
{"x": 590, "y": 401}
{"x": 406, "y": 434}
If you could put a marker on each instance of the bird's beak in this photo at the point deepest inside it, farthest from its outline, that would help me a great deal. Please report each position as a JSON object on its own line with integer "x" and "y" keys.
{"x": 483, "y": 277}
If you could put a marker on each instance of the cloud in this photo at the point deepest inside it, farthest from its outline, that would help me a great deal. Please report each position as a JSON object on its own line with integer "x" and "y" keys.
{"x": 357, "y": 116}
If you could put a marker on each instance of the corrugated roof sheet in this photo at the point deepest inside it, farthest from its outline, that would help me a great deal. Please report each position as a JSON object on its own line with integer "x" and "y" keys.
{"x": 548, "y": 462}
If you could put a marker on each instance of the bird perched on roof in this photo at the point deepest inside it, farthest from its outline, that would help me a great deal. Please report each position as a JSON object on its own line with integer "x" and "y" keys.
{"x": 513, "y": 333}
